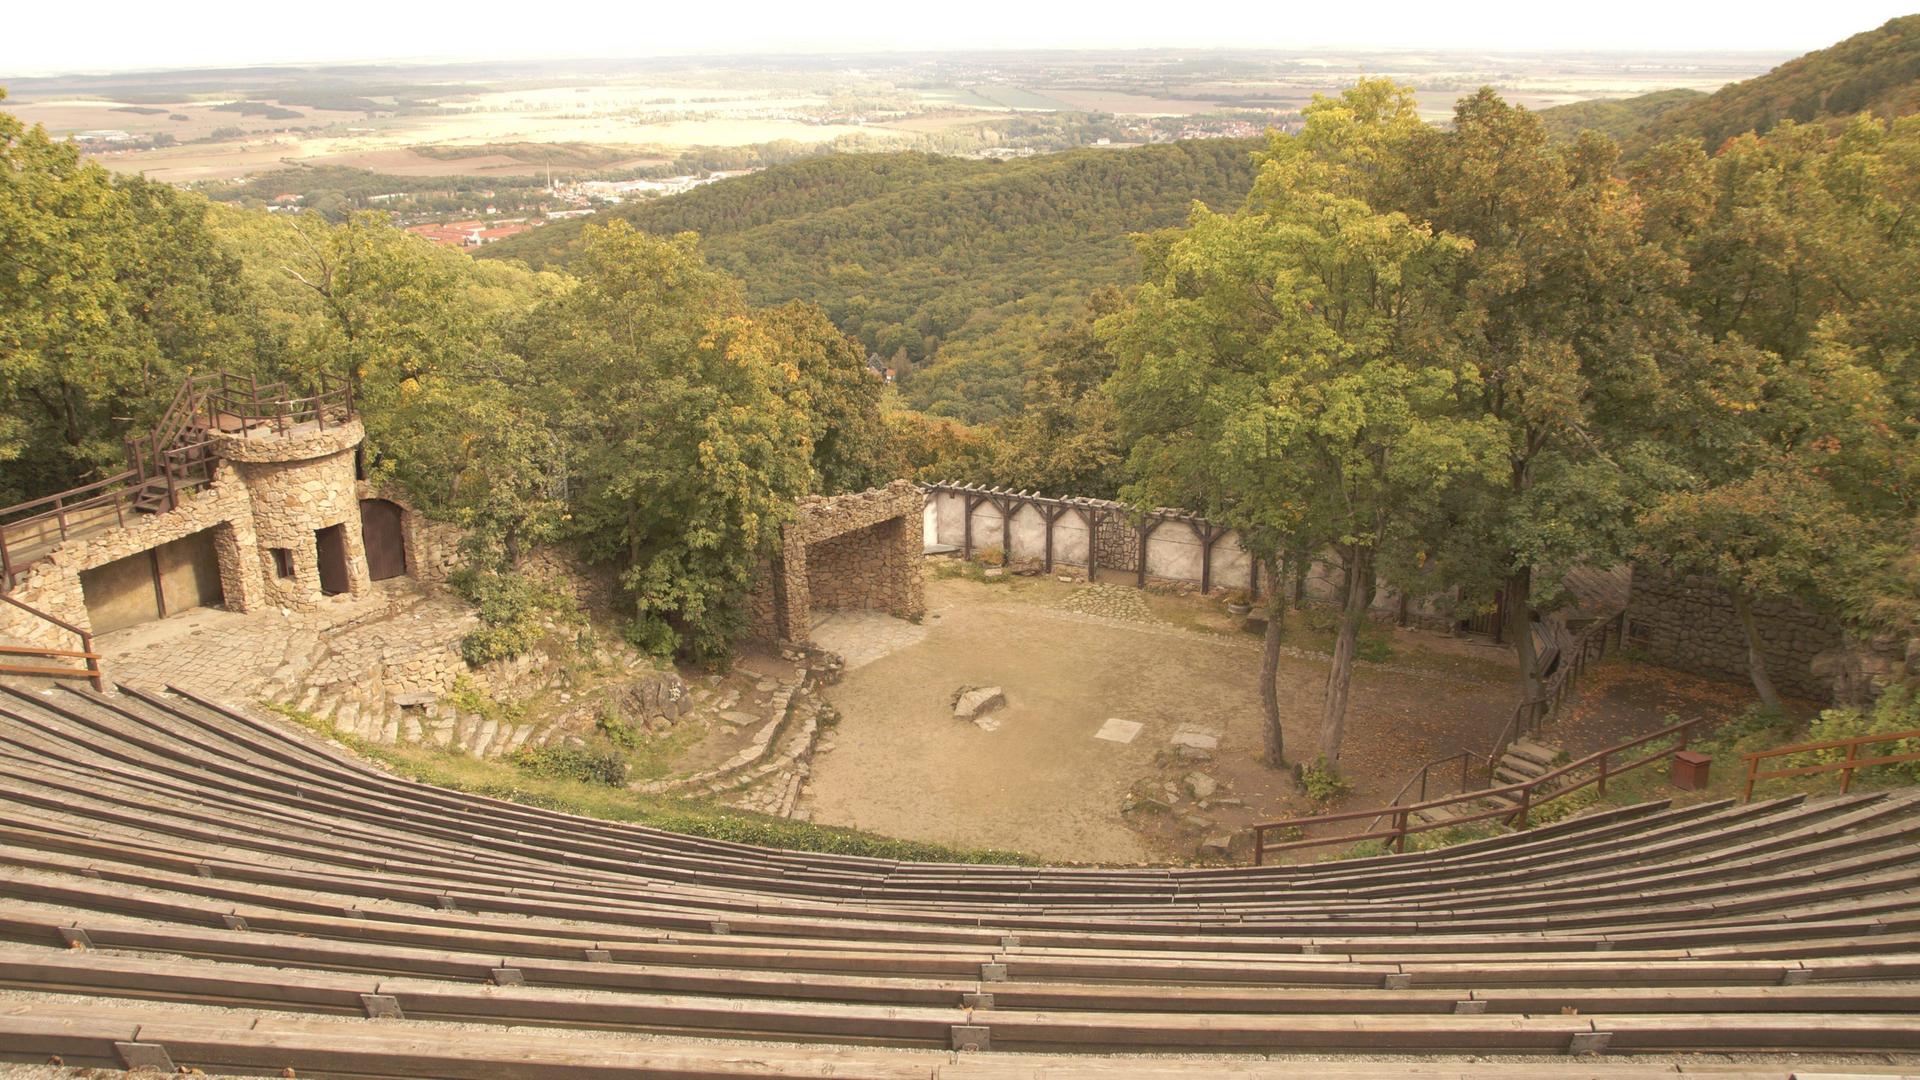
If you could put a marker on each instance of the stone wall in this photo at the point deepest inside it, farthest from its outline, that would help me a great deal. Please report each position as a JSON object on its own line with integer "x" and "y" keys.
{"x": 1116, "y": 545}
{"x": 848, "y": 571}
{"x": 1690, "y": 624}
{"x": 53, "y": 584}
{"x": 868, "y": 545}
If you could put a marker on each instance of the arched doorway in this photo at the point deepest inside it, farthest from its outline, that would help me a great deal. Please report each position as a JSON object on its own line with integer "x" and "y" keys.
{"x": 385, "y": 542}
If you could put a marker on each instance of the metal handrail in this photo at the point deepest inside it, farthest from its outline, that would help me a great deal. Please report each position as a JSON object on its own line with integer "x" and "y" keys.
{"x": 1531, "y": 714}
{"x": 1522, "y": 794}
{"x": 1466, "y": 759}
{"x": 92, "y": 672}
{"x": 1845, "y": 767}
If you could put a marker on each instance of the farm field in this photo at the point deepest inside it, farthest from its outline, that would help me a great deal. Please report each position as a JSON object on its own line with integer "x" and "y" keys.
{"x": 376, "y": 118}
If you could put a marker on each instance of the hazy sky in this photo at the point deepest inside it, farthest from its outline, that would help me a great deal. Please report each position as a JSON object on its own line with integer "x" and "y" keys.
{"x": 39, "y": 36}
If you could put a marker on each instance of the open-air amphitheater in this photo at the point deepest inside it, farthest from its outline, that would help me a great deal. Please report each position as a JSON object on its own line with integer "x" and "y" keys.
{"x": 189, "y": 884}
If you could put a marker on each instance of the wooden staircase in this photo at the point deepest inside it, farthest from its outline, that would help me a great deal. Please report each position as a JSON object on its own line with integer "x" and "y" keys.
{"x": 1524, "y": 761}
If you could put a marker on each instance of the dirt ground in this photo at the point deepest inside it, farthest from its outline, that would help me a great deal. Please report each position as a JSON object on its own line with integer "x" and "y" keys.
{"x": 1042, "y": 783}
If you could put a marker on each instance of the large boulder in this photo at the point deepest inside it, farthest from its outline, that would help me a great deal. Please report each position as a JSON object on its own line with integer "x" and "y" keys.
{"x": 973, "y": 702}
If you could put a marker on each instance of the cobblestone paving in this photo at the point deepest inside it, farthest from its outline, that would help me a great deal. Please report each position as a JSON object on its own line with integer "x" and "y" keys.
{"x": 1110, "y": 601}
{"x": 243, "y": 658}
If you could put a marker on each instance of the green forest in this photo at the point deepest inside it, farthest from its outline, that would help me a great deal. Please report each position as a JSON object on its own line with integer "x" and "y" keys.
{"x": 949, "y": 269}
{"x": 1458, "y": 357}
{"x": 1875, "y": 72}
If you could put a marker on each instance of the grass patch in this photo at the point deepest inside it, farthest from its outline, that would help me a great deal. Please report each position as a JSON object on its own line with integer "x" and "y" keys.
{"x": 461, "y": 772}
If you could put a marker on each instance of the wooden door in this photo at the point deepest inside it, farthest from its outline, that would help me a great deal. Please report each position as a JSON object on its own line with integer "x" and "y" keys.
{"x": 386, "y": 545}
{"x": 332, "y": 542}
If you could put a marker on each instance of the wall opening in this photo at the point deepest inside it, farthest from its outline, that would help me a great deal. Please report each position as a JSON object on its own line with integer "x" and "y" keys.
{"x": 175, "y": 577}
{"x": 385, "y": 542}
{"x": 282, "y": 562}
{"x": 331, "y": 543}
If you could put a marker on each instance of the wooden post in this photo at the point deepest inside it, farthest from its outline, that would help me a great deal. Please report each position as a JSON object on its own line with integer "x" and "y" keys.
{"x": 1259, "y": 845}
{"x": 1006, "y": 530}
{"x": 1753, "y": 769}
{"x": 1094, "y": 518}
{"x": 94, "y": 676}
{"x": 1846, "y": 774}
{"x": 1526, "y": 803}
{"x": 1146, "y": 537}
{"x": 1603, "y": 775}
{"x": 1463, "y": 770}
{"x": 1052, "y": 515}
{"x": 1400, "y": 829}
{"x": 1206, "y": 534}
{"x": 966, "y": 525}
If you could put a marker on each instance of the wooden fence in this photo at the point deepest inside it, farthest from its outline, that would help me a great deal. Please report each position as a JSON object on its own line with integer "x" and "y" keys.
{"x": 1846, "y": 766}
{"x": 1521, "y": 798}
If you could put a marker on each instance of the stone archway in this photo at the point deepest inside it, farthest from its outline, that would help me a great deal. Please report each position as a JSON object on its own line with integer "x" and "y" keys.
{"x": 849, "y": 551}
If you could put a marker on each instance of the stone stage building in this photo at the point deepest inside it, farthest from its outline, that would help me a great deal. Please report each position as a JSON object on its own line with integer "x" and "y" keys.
{"x": 275, "y": 517}
{"x": 857, "y": 551}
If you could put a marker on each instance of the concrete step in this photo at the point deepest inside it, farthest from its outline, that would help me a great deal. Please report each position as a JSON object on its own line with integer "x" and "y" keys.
{"x": 1534, "y": 752}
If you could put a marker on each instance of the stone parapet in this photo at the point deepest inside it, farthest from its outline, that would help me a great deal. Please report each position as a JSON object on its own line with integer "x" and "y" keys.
{"x": 302, "y": 443}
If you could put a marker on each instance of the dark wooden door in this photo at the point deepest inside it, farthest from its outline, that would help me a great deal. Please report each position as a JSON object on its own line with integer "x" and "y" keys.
{"x": 386, "y": 546}
{"x": 332, "y": 542}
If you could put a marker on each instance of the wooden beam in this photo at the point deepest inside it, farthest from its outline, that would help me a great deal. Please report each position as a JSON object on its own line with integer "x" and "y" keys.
{"x": 1207, "y": 534}
{"x": 1146, "y": 531}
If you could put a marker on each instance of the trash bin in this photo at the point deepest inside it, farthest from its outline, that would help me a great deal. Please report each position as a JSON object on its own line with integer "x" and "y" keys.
{"x": 1689, "y": 770}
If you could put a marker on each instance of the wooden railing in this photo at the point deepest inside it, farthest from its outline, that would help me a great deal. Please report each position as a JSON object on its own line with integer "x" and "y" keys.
{"x": 1531, "y": 715}
{"x": 91, "y": 672}
{"x": 172, "y": 459}
{"x": 1521, "y": 799}
{"x": 1466, "y": 758}
{"x": 1845, "y": 766}
{"x": 1527, "y": 717}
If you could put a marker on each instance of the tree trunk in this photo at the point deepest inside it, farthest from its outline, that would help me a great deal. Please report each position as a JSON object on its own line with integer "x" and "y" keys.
{"x": 1356, "y": 594}
{"x": 1756, "y": 656}
{"x": 1270, "y": 667}
{"x": 1517, "y": 609}
{"x": 513, "y": 547}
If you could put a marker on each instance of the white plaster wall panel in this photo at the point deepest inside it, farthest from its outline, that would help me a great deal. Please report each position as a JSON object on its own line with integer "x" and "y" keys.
{"x": 952, "y": 511}
{"x": 1232, "y": 566}
{"x": 1029, "y": 533}
{"x": 986, "y": 527}
{"x": 1173, "y": 553}
{"x": 1070, "y": 540}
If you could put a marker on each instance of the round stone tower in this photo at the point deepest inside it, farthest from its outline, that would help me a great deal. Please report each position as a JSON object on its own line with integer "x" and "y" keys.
{"x": 306, "y": 510}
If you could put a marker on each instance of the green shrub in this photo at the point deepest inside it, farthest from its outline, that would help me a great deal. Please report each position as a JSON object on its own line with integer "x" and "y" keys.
{"x": 617, "y": 730}
{"x": 1374, "y": 648}
{"x": 1322, "y": 782}
{"x": 589, "y": 765}
{"x": 651, "y": 635}
{"x": 512, "y": 609}
{"x": 1897, "y": 710}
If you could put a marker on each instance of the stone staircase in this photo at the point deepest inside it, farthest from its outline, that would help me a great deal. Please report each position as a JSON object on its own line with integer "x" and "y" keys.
{"x": 1524, "y": 761}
